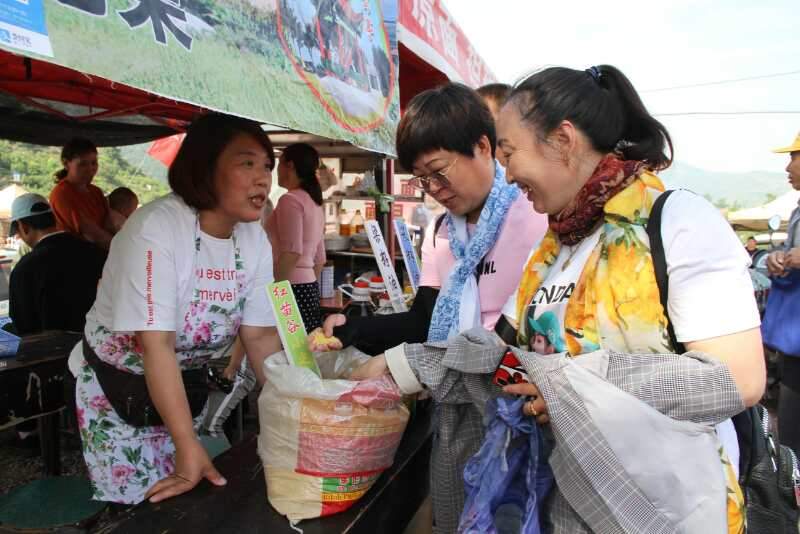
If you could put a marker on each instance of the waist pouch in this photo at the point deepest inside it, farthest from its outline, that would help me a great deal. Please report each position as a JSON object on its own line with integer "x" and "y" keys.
{"x": 128, "y": 394}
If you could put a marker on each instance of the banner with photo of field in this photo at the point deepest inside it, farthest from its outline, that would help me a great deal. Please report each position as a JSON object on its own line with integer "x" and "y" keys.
{"x": 327, "y": 67}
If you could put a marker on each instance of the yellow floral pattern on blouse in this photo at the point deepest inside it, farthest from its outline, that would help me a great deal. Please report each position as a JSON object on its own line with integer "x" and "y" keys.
{"x": 616, "y": 303}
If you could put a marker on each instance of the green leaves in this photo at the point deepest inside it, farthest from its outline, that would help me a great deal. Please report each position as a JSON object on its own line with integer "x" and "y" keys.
{"x": 37, "y": 164}
{"x": 133, "y": 455}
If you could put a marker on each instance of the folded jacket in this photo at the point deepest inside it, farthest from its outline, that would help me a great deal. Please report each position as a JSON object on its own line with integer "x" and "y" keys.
{"x": 636, "y": 392}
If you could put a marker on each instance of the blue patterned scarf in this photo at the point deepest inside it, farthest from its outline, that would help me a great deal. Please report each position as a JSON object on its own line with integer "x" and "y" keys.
{"x": 447, "y": 319}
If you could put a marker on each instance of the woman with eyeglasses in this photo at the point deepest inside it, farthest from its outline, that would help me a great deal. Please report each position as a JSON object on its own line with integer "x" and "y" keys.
{"x": 472, "y": 257}
{"x": 184, "y": 277}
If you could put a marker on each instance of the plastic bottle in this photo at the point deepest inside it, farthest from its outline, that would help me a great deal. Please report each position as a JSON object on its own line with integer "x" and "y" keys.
{"x": 377, "y": 289}
{"x": 357, "y": 223}
{"x": 344, "y": 227}
{"x": 360, "y": 304}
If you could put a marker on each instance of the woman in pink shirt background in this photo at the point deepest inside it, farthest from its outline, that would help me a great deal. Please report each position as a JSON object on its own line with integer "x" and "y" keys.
{"x": 296, "y": 229}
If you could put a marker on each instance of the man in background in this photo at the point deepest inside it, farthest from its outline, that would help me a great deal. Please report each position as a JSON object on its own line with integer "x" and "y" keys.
{"x": 751, "y": 246}
{"x": 495, "y": 95}
{"x": 785, "y": 263}
{"x": 53, "y": 286}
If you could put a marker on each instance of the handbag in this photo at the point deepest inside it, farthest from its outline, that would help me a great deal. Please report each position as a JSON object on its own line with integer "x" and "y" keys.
{"x": 128, "y": 394}
{"x": 768, "y": 473}
{"x": 780, "y": 328}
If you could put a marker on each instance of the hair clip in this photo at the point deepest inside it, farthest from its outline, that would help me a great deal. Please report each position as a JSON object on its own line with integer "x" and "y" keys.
{"x": 595, "y": 73}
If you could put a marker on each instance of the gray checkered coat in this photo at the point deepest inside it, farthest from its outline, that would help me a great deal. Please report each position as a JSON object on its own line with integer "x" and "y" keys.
{"x": 690, "y": 388}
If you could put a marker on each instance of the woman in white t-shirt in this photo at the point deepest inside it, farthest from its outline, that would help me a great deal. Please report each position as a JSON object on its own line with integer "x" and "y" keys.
{"x": 583, "y": 148}
{"x": 184, "y": 277}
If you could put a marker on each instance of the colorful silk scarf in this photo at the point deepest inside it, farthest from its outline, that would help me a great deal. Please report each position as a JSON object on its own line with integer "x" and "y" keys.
{"x": 458, "y": 305}
{"x": 580, "y": 217}
{"x": 615, "y": 304}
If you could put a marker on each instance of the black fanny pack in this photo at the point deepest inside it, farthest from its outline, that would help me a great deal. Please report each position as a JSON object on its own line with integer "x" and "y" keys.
{"x": 129, "y": 396}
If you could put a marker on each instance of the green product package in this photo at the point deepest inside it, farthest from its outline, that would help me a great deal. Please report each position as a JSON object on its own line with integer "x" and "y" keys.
{"x": 290, "y": 326}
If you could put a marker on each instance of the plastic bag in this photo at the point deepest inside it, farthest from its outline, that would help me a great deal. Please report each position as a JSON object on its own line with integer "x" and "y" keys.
{"x": 509, "y": 469}
{"x": 325, "y": 441}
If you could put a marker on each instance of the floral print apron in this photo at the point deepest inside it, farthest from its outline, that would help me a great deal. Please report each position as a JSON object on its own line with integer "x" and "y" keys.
{"x": 125, "y": 461}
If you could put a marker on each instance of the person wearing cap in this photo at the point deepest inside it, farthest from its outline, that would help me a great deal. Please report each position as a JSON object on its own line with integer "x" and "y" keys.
{"x": 784, "y": 265}
{"x": 53, "y": 286}
{"x": 788, "y": 256}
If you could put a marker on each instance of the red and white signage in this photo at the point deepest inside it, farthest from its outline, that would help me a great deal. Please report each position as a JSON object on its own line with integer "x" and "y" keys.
{"x": 428, "y": 30}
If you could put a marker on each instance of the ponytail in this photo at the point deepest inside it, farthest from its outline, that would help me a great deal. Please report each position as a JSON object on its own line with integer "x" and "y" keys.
{"x": 644, "y": 137}
{"x": 60, "y": 175}
{"x": 603, "y": 104}
{"x": 306, "y": 163}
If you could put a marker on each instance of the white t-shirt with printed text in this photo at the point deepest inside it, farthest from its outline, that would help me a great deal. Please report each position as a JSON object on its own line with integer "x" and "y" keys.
{"x": 710, "y": 289}
{"x": 165, "y": 274}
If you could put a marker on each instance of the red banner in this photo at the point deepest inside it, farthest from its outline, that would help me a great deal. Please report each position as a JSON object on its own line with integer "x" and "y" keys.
{"x": 428, "y": 30}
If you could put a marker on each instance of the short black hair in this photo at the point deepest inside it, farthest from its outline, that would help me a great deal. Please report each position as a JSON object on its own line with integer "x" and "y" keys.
{"x": 191, "y": 175}
{"x": 121, "y": 197}
{"x": 496, "y": 92}
{"x": 450, "y": 117}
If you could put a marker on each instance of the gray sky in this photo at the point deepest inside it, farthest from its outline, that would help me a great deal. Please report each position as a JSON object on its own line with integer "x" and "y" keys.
{"x": 660, "y": 44}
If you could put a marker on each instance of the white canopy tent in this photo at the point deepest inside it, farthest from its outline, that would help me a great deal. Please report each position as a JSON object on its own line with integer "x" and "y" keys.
{"x": 756, "y": 218}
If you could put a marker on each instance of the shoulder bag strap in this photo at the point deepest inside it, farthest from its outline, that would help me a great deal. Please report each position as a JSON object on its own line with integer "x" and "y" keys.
{"x": 660, "y": 264}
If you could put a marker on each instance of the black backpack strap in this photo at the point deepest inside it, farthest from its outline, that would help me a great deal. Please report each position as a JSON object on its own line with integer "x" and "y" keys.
{"x": 750, "y": 435}
{"x": 660, "y": 263}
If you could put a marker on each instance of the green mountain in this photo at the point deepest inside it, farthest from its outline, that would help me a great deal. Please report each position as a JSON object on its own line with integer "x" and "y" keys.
{"x": 727, "y": 189}
{"x": 36, "y": 165}
{"x": 132, "y": 167}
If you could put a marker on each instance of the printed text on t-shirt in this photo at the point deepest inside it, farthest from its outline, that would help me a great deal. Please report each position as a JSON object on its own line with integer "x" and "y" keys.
{"x": 216, "y": 274}
{"x": 149, "y": 288}
{"x": 553, "y": 294}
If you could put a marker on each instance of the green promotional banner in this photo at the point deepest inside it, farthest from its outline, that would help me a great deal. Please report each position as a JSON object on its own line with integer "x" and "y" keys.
{"x": 327, "y": 67}
{"x": 290, "y": 326}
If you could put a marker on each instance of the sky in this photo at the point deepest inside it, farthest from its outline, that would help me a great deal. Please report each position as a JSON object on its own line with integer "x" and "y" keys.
{"x": 660, "y": 44}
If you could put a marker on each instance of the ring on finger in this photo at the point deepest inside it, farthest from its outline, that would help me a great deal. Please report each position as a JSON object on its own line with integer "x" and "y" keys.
{"x": 532, "y": 411}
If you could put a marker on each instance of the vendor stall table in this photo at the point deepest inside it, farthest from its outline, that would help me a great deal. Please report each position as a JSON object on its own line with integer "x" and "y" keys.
{"x": 242, "y": 505}
{"x": 32, "y": 387}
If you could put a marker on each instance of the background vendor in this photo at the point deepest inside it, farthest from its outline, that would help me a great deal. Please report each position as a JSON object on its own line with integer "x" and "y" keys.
{"x": 79, "y": 206}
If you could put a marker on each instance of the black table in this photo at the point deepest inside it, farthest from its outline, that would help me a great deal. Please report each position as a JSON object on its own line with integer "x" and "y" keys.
{"x": 32, "y": 387}
{"x": 242, "y": 505}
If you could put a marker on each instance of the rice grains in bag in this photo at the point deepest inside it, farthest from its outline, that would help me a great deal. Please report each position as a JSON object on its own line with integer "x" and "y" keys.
{"x": 324, "y": 441}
